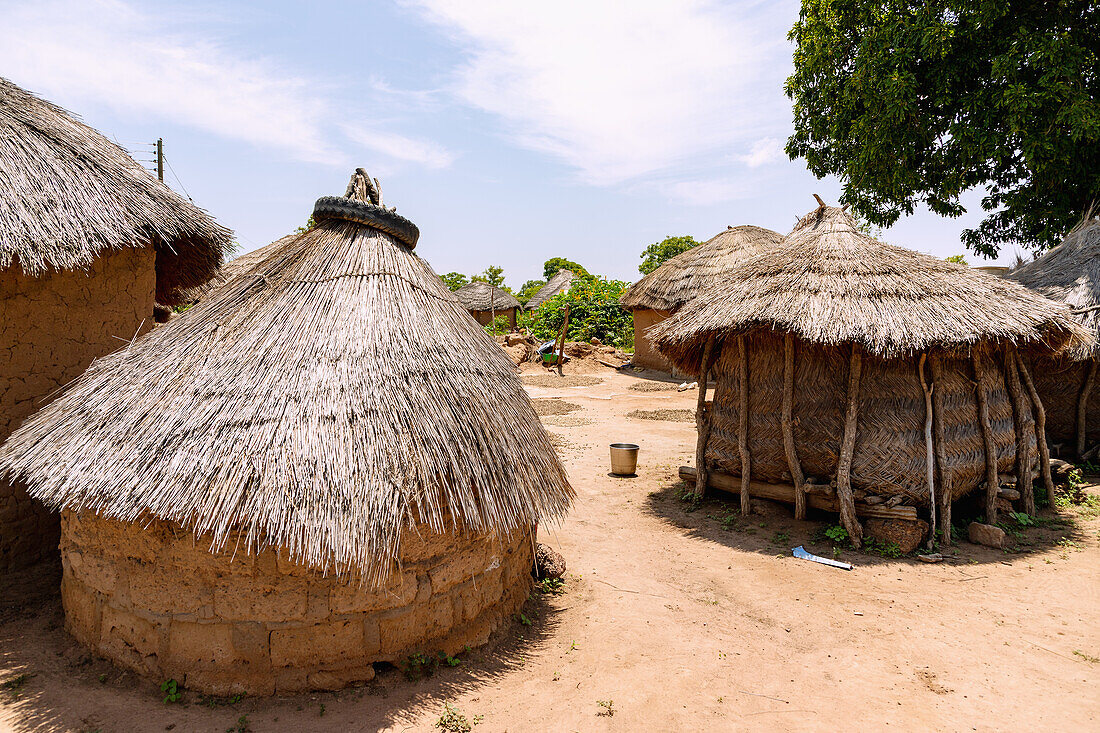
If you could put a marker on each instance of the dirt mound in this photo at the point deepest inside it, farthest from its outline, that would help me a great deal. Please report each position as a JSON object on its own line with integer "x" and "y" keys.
{"x": 666, "y": 415}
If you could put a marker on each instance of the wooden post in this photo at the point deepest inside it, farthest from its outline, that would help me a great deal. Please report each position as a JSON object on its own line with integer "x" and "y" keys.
{"x": 1083, "y": 406}
{"x": 992, "y": 483}
{"x": 160, "y": 159}
{"x": 938, "y": 440}
{"x": 793, "y": 463}
{"x": 929, "y": 451}
{"x": 564, "y": 332}
{"x": 743, "y": 424}
{"x": 847, "y": 448}
{"x": 1021, "y": 411}
{"x": 1040, "y": 427}
{"x": 702, "y": 421}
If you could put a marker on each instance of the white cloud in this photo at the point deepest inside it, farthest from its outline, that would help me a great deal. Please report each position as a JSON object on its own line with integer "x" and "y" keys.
{"x": 422, "y": 152}
{"x": 707, "y": 192}
{"x": 110, "y": 54}
{"x": 765, "y": 150}
{"x": 621, "y": 90}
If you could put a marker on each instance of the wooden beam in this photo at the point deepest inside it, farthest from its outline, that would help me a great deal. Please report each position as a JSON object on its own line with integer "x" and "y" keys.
{"x": 743, "y": 424}
{"x": 940, "y": 443}
{"x": 929, "y": 448}
{"x": 702, "y": 418}
{"x": 981, "y": 395}
{"x": 787, "y": 424}
{"x": 1083, "y": 407}
{"x": 1021, "y": 411}
{"x": 1040, "y": 427}
{"x": 847, "y": 449}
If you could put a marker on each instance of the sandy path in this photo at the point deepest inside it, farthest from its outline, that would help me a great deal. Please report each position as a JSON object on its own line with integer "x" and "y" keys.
{"x": 681, "y": 623}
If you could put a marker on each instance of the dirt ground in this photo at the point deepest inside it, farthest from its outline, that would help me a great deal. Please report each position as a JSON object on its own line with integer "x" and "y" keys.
{"x": 669, "y": 619}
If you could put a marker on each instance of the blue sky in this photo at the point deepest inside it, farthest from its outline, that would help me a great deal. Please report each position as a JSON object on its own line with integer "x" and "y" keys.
{"x": 509, "y": 132}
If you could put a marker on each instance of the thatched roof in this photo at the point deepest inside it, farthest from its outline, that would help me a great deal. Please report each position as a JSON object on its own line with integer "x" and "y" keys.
{"x": 1070, "y": 274}
{"x": 320, "y": 404}
{"x": 67, "y": 194}
{"x": 234, "y": 268}
{"x": 561, "y": 281}
{"x": 681, "y": 278}
{"x": 481, "y": 296}
{"x": 829, "y": 283}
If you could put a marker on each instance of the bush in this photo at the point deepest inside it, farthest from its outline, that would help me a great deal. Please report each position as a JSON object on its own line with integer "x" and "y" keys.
{"x": 594, "y": 312}
{"x": 502, "y": 324}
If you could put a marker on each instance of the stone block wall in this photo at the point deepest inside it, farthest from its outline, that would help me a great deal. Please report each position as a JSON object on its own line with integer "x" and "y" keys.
{"x": 156, "y": 600}
{"x": 51, "y": 328}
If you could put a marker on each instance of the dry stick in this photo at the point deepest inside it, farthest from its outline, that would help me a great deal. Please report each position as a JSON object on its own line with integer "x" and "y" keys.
{"x": 1020, "y": 411}
{"x": 930, "y": 455}
{"x": 992, "y": 483}
{"x": 941, "y": 449}
{"x": 702, "y": 421}
{"x": 743, "y": 425}
{"x": 1040, "y": 430}
{"x": 1083, "y": 406}
{"x": 847, "y": 448}
{"x": 564, "y": 331}
{"x": 788, "y": 429}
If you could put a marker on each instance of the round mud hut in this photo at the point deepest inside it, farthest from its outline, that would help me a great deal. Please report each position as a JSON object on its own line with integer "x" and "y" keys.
{"x": 325, "y": 466}
{"x": 662, "y": 292}
{"x": 560, "y": 282}
{"x": 487, "y": 302}
{"x": 1070, "y": 274}
{"x": 863, "y": 378}
{"x": 90, "y": 242}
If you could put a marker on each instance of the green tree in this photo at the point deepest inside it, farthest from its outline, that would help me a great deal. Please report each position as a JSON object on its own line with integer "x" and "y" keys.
{"x": 657, "y": 253}
{"x": 957, "y": 259}
{"x": 594, "y": 312}
{"x": 910, "y": 101}
{"x": 454, "y": 280}
{"x": 552, "y": 265}
{"x": 529, "y": 289}
{"x": 494, "y": 275}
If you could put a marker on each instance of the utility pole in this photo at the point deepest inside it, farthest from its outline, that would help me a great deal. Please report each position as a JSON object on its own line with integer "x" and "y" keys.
{"x": 160, "y": 159}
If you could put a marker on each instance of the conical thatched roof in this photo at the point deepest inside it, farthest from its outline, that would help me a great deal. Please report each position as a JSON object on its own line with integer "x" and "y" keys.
{"x": 1070, "y": 274}
{"x": 481, "y": 296}
{"x": 321, "y": 404}
{"x": 562, "y": 280}
{"x": 234, "y": 268}
{"x": 67, "y": 193}
{"x": 681, "y": 278}
{"x": 829, "y": 283}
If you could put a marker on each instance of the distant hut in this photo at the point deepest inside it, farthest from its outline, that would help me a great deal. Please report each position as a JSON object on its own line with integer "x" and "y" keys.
{"x": 665, "y": 290}
{"x": 559, "y": 283}
{"x": 1070, "y": 274}
{"x": 486, "y": 302}
{"x": 859, "y": 377}
{"x": 325, "y": 465}
{"x": 89, "y": 242}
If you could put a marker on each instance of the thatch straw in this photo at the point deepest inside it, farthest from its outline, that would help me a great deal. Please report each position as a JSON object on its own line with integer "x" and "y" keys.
{"x": 235, "y": 268}
{"x": 561, "y": 281}
{"x": 321, "y": 404}
{"x": 681, "y": 278}
{"x": 67, "y": 194}
{"x": 829, "y": 283}
{"x": 481, "y": 296}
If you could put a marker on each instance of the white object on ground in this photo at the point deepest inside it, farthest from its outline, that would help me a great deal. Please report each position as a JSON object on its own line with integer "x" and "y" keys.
{"x": 801, "y": 554}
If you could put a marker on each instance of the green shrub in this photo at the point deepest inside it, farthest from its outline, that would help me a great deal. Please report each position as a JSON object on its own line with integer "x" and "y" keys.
{"x": 594, "y": 312}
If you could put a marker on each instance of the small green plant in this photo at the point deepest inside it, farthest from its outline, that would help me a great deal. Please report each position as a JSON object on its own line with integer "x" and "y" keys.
{"x": 551, "y": 586}
{"x": 1023, "y": 519}
{"x": 15, "y": 684}
{"x": 837, "y": 534}
{"x": 453, "y": 721}
{"x": 243, "y": 726}
{"x": 608, "y": 707}
{"x": 882, "y": 548}
{"x": 780, "y": 538}
{"x": 321, "y": 712}
{"x": 523, "y": 619}
{"x": 573, "y": 646}
{"x": 1087, "y": 657}
{"x": 172, "y": 691}
{"x": 418, "y": 666}
{"x": 102, "y": 678}
{"x": 449, "y": 660}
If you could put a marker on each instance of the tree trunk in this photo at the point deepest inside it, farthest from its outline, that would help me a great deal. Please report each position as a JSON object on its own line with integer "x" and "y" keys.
{"x": 788, "y": 429}
{"x": 702, "y": 420}
{"x": 847, "y": 448}
{"x": 929, "y": 450}
{"x": 992, "y": 483}
{"x": 1083, "y": 407}
{"x": 1021, "y": 409}
{"x": 945, "y": 494}
{"x": 1040, "y": 428}
{"x": 743, "y": 425}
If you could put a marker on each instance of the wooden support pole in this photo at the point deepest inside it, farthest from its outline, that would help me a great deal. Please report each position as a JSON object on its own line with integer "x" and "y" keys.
{"x": 1040, "y": 428}
{"x": 702, "y": 419}
{"x": 788, "y": 429}
{"x": 939, "y": 442}
{"x": 1021, "y": 410}
{"x": 564, "y": 333}
{"x": 1083, "y": 407}
{"x": 743, "y": 423}
{"x": 847, "y": 449}
{"x": 929, "y": 450}
{"x": 992, "y": 483}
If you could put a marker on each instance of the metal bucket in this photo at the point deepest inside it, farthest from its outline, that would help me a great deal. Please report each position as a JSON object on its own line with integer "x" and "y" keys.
{"x": 624, "y": 459}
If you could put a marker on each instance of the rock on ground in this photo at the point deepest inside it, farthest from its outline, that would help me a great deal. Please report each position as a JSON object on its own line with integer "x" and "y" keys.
{"x": 905, "y": 533}
{"x": 548, "y": 563}
{"x": 986, "y": 534}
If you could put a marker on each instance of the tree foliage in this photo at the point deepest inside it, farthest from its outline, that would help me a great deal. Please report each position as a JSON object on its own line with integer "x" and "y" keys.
{"x": 454, "y": 280}
{"x": 911, "y": 101}
{"x": 658, "y": 253}
{"x": 529, "y": 289}
{"x": 552, "y": 265}
{"x": 594, "y": 312}
{"x": 493, "y": 274}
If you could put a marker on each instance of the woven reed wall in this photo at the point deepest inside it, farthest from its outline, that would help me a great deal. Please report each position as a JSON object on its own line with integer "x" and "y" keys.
{"x": 890, "y": 449}
{"x": 1059, "y": 382}
{"x": 154, "y": 599}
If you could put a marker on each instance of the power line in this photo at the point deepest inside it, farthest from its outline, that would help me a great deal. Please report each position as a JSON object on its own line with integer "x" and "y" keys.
{"x": 178, "y": 181}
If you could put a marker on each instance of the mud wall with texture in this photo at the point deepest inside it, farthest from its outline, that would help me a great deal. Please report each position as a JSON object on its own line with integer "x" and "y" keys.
{"x": 51, "y": 328}
{"x": 645, "y": 354}
{"x": 153, "y": 598}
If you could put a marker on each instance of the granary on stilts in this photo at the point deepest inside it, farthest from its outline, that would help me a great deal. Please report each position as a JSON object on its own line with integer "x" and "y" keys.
{"x": 90, "y": 241}
{"x": 845, "y": 373}
{"x": 665, "y": 290}
{"x": 325, "y": 465}
{"x": 560, "y": 282}
{"x": 487, "y": 302}
{"x": 1070, "y": 274}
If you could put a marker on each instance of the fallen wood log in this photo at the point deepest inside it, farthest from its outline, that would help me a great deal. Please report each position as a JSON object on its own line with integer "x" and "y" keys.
{"x": 785, "y": 493}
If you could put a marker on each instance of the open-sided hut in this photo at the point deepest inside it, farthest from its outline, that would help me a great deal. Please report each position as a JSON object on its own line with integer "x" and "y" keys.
{"x": 487, "y": 302}
{"x": 560, "y": 282}
{"x": 89, "y": 242}
{"x": 662, "y": 292}
{"x": 325, "y": 465}
{"x": 846, "y": 368}
{"x": 1070, "y": 274}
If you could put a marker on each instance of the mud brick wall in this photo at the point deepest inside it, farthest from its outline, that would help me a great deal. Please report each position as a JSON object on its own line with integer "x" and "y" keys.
{"x": 51, "y": 328}
{"x": 155, "y": 599}
{"x": 645, "y": 353}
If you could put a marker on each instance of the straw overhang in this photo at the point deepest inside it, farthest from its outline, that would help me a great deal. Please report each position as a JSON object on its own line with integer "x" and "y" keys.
{"x": 481, "y": 296}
